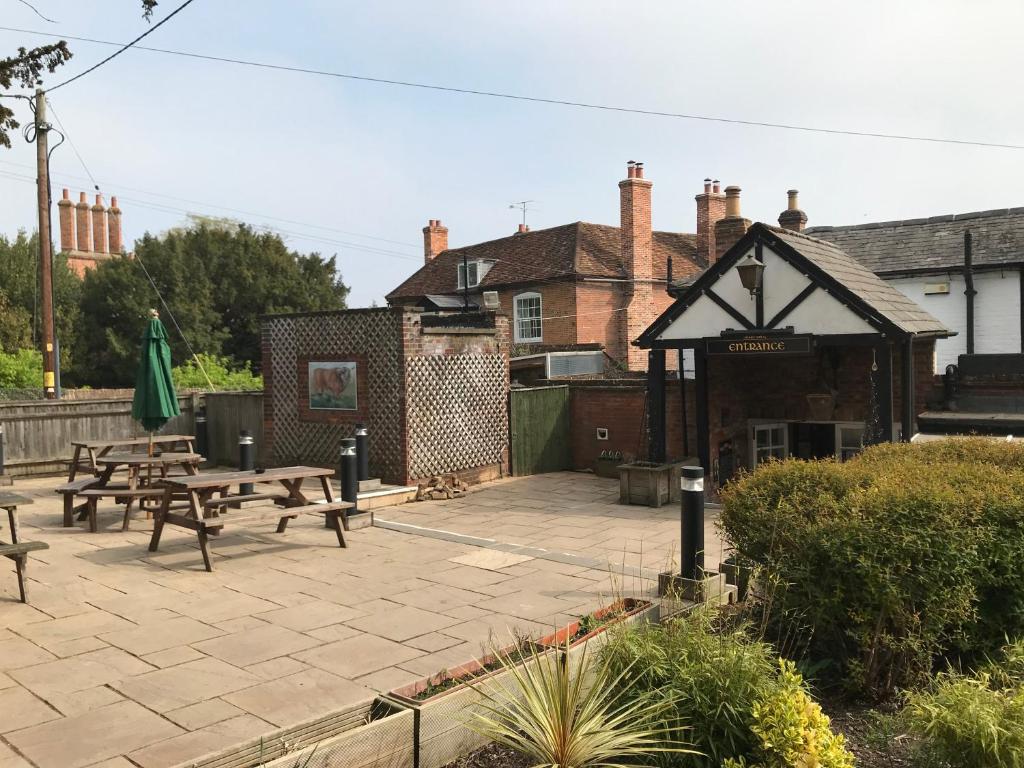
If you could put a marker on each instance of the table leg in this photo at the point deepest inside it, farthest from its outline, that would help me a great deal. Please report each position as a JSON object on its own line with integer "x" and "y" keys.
{"x": 12, "y": 519}
{"x": 74, "y": 464}
{"x": 158, "y": 522}
{"x": 325, "y": 482}
{"x": 133, "y": 484}
{"x": 204, "y": 548}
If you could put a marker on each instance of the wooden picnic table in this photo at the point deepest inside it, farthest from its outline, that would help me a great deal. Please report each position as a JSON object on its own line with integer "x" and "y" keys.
{"x": 209, "y": 499}
{"x": 140, "y": 480}
{"x": 96, "y": 449}
{"x": 17, "y": 550}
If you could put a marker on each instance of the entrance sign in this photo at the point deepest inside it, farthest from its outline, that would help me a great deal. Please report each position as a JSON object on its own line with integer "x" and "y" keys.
{"x": 760, "y": 344}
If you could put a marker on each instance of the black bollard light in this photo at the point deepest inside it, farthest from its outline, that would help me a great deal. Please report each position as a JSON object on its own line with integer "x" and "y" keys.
{"x": 692, "y": 518}
{"x": 362, "y": 452}
{"x": 202, "y": 435}
{"x": 348, "y": 472}
{"x": 246, "y": 458}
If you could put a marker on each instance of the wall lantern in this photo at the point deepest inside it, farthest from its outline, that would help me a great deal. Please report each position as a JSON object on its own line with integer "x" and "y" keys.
{"x": 751, "y": 273}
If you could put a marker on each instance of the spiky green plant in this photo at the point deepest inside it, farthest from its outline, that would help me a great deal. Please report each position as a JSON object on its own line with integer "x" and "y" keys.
{"x": 572, "y": 715}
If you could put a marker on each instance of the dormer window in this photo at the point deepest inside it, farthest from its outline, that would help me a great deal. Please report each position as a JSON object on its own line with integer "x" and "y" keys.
{"x": 471, "y": 273}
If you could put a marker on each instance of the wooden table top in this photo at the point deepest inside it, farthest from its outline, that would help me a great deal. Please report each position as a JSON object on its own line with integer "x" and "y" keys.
{"x": 157, "y": 440}
{"x": 142, "y": 460}
{"x": 8, "y": 499}
{"x": 224, "y": 479}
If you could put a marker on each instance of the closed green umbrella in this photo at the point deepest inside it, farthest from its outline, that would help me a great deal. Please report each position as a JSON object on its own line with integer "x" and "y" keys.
{"x": 155, "y": 399}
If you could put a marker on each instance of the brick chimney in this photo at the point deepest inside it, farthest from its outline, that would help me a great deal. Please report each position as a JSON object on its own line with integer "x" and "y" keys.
{"x": 730, "y": 229}
{"x": 99, "y": 226}
{"x": 435, "y": 240}
{"x": 523, "y": 229}
{"x": 793, "y": 218}
{"x": 114, "y": 226}
{"x": 710, "y": 210}
{"x": 82, "y": 224}
{"x": 636, "y": 249}
{"x": 66, "y": 213}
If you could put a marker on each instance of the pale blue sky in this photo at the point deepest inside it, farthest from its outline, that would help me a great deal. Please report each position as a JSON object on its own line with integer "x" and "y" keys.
{"x": 380, "y": 160}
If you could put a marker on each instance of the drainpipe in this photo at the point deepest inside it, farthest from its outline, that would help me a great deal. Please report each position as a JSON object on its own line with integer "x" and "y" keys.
{"x": 969, "y": 291}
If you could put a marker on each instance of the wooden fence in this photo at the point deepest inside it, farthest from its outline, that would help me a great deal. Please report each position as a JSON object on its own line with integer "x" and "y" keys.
{"x": 227, "y": 413}
{"x": 38, "y": 433}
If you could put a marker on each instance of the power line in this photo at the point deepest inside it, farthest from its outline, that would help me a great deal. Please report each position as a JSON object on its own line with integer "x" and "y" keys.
{"x": 67, "y": 135}
{"x": 536, "y": 99}
{"x": 126, "y": 46}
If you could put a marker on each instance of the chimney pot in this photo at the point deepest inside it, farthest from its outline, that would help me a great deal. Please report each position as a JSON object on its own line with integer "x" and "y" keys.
{"x": 67, "y": 194}
{"x": 732, "y": 202}
{"x": 707, "y": 186}
{"x": 639, "y": 170}
{"x": 793, "y": 218}
{"x": 66, "y": 211}
{"x": 793, "y": 204}
{"x": 114, "y": 226}
{"x": 523, "y": 228}
{"x": 716, "y": 188}
{"x": 99, "y": 226}
{"x": 81, "y": 197}
{"x": 82, "y": 224}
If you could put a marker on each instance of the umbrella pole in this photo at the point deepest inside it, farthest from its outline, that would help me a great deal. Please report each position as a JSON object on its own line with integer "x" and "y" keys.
{"x": 149, "y": 470}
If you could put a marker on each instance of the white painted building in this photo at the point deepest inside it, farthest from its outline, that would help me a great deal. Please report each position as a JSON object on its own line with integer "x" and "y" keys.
{"x": 924, "y": 259}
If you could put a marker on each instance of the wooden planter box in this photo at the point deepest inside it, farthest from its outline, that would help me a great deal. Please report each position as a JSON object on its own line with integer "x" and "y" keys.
{"x": 648, "y": 484}
{"x": 374, "y": 734}
{"x": 636, "y": 611}
{"x": 441, "y": 735}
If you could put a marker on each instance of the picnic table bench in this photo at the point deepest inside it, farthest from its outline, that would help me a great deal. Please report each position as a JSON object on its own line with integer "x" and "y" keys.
{"x": 18, "y": 550}
{"x": 138, "y": 487}
{"x": 211, "y": 505}
{"x": 97, "y": 449}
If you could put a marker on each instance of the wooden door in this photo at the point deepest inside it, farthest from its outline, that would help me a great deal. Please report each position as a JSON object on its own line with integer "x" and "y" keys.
{"x": 540, "y": 430}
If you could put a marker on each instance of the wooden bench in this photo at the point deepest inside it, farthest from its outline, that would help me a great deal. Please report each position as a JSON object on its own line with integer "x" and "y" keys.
{"x": 18, "y": 550}
{"x": 19, "y": 554}
{"x": 69, "y": 491}
{"x": 332, "y": 510}
{"x": 92, "y": 497}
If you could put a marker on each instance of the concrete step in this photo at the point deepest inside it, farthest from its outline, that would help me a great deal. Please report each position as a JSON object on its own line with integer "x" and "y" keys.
{"x": 386, "y": 496}
{"x": 366, "y": 486}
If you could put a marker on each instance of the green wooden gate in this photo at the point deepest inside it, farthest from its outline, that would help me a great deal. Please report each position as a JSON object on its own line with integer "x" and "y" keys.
{"x": 540, "y": 430}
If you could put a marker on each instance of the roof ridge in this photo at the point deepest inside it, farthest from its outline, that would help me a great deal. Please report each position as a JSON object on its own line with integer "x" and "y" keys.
{"x": 514, "y": 234}
{"x": 989, "y": 214}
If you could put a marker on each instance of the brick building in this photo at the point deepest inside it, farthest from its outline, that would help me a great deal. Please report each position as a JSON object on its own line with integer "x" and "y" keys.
{"x": 798, "y": 350}
{"x": 88, "y": 234}
{"x": 574, "y": 284}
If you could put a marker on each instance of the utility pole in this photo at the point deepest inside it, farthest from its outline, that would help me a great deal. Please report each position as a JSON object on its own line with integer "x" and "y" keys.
{"x": 45, "y": 250}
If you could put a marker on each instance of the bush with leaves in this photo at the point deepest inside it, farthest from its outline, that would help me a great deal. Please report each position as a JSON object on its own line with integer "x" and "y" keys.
{"x": 792, "y": 730}
{"x": 713, "y": 676}
{"x": 218, "y": 371}
{"x": 886, "y": 563}
{"x": 972, "y": 721}
{"x": 21, "y": 370}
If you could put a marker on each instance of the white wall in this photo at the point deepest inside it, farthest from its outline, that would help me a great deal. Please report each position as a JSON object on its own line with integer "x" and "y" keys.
{"x": 996, "y": 312}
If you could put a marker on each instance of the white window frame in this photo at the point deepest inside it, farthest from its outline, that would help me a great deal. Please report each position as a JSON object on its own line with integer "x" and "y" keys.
{"x": 840, "y": 448}
{"x": 517, "y": 317}
{"x": 473, "y": 267}
{"x": 772, "y": 447}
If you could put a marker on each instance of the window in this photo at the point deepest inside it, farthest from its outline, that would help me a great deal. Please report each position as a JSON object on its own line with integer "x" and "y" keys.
{"x": 473, "y": 268}
{"x": 770, "y": 442}
{"x": 527, "y": 317}
{"x": 851, "y": 441}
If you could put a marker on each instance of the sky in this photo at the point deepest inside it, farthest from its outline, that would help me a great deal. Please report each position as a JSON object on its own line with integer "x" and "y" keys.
{"x": 355, "y": 169}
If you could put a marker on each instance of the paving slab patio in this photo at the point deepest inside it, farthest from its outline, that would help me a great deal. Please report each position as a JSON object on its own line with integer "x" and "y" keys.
{"x": 126, "y": 658}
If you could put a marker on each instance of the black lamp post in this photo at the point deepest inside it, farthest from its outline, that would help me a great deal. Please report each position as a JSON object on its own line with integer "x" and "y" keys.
{"x": 751, "y": 273}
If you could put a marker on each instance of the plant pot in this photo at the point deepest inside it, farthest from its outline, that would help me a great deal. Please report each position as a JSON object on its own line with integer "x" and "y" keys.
{"x": 373, "y": 734}
{"x": 821, "y": 407}
{"x": 649, "y": 484}
{"x": 441, "y": 735}
{"x": 635, "y": 611}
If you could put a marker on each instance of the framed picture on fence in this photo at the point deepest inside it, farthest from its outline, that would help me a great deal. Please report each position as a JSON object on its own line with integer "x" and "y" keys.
{"x": 332, "y": 386}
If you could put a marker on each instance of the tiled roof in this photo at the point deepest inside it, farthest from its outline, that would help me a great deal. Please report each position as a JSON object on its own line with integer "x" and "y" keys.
{"x": 901, "y": 311}
{"x": 587, "y": 250}
{"x": 936, "y": 243}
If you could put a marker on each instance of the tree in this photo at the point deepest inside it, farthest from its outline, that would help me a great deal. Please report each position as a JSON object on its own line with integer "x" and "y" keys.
{"x": 24, "y": 70}
{"x": 217, "y": 279}
{"x": 19, "y": 296}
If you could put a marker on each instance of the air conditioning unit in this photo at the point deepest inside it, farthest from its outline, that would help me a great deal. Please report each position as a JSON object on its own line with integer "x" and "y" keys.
{"x": 491, "y": 300}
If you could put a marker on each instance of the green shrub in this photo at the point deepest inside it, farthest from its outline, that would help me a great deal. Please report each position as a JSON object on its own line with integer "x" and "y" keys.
{"x": 792, "y": 730}
{"x": 224, "y": 377}
{"x": 21, "y": 369}
{"x": 714, "y": 679}
{"x": 890, "y": 561}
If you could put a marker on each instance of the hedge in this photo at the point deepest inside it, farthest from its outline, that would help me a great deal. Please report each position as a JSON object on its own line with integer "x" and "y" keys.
{"x": 882, "y": 566}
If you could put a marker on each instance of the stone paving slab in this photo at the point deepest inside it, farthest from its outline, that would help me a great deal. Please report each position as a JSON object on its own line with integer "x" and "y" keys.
{"x": 126, "y": 658}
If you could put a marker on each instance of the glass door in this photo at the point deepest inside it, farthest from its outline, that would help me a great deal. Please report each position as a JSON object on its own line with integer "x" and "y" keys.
{"x": 770, "y": 441}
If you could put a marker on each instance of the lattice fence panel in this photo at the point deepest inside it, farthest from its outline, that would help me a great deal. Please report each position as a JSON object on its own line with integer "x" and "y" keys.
{"x": 457, "y": 412}
{"x": 374, "y": 335}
